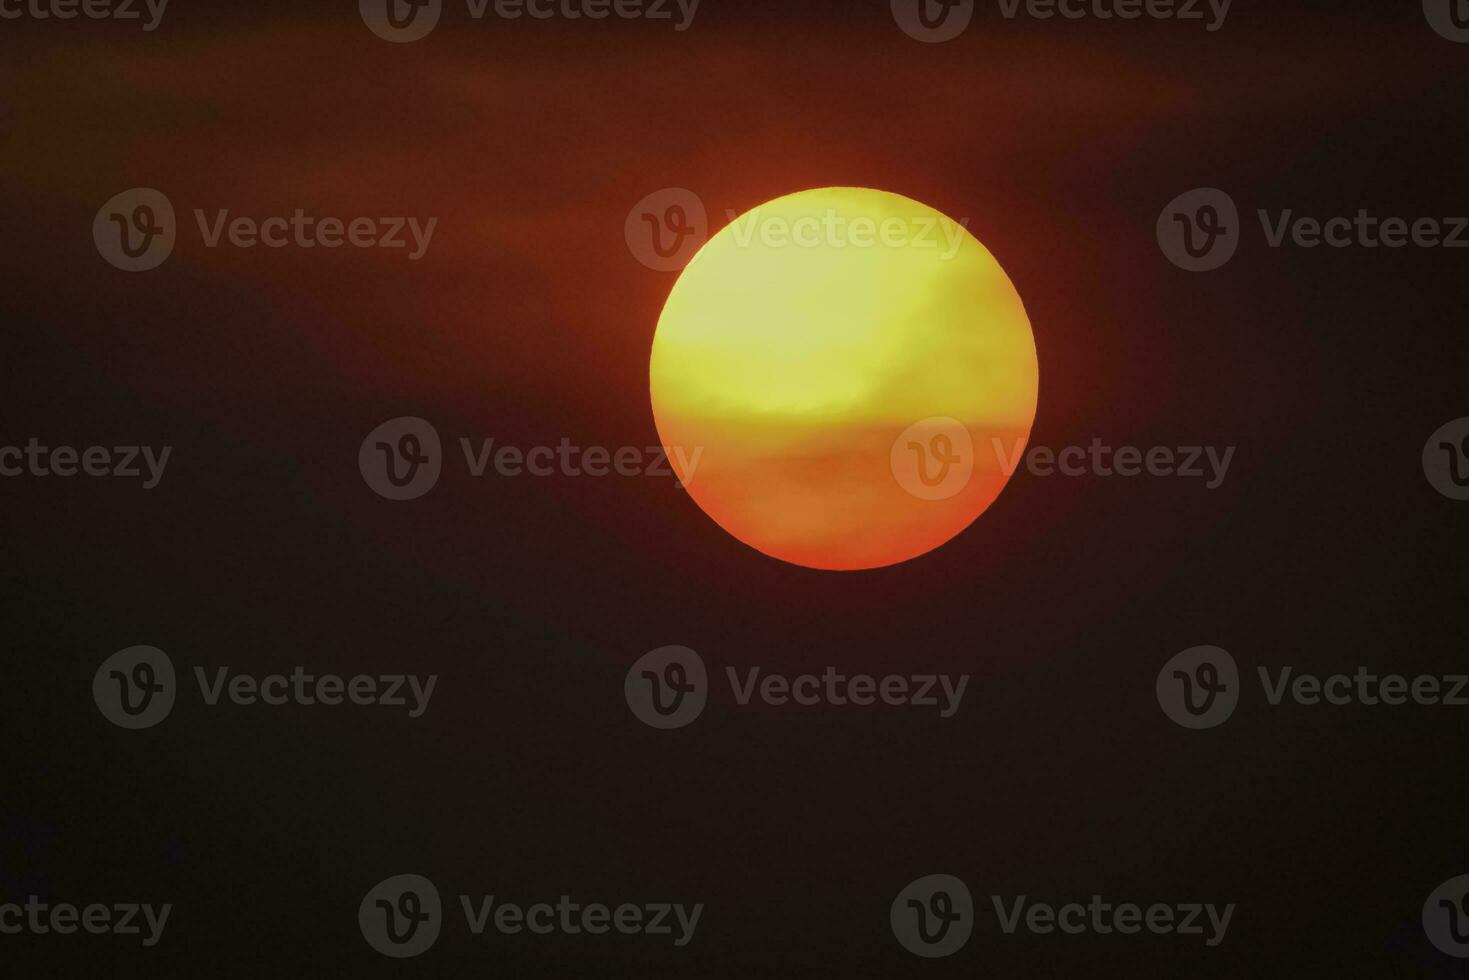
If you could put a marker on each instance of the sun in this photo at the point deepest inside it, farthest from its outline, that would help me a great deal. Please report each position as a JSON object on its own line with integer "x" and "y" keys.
{"x": 843, "y": 377}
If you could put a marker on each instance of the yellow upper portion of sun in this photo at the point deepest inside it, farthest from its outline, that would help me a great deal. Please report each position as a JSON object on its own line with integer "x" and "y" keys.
{"x": 843, "y": 304}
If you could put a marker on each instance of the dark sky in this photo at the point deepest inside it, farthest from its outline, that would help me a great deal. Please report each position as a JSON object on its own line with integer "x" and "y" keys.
{"x": 528, "y": 320}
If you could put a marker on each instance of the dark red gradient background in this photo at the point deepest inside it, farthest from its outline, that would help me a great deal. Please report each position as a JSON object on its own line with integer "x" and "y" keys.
{"x": 528, "y": 320}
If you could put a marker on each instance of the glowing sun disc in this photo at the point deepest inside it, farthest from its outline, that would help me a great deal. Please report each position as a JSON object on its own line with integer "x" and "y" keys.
{"x": 841, "y": 376}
